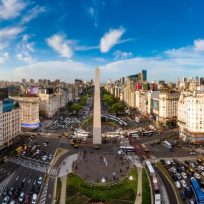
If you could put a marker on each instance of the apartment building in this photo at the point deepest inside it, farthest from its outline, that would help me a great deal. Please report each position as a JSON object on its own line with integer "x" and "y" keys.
{"x": 9, "y": 122}
{"x": 29, "y": 111}
{"x": 191, "y": 116}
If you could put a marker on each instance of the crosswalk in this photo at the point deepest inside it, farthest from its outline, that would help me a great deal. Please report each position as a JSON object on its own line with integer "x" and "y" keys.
{"x": 163, "y": 193}
{"x": 42, "y": 199}
{"x": 29, "y": 164}
{"x": 4, "y": 183}
{"x": 53, "y": 172}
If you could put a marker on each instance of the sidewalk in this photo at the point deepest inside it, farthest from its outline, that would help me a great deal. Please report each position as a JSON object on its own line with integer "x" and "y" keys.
{"x": 139, "y": 187}
{"x": 63, "y": 189}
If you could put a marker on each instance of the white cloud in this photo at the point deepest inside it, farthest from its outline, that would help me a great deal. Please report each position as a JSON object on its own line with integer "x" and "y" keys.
{"x": 33, "y": 13}
{"x": 10, "y": 32}
{"x": 25, "y": 57}
{"x": 66, "y": 71}
{"x": 60, "y": 45}
{"x": 3, "y": 45}
{"x": 122, "y": 55}
{"x": 4, "y": 58}
{"x": 93, "y": 12}
{"x": 199, "y": 45}
{"x": 10, "y": 9}
{"x": 110, "y": 39}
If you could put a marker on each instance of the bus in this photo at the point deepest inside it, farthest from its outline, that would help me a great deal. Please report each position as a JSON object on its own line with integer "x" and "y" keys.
{"x": 167, "y": 144}
{"x": 112, "y": 134}
{"x": 19, "y": 150}
{"x": 127, "y": 148}
{"x": 148, "y": 133}
{"x": 133, "y": 133}
{"x": 197, "y": 191}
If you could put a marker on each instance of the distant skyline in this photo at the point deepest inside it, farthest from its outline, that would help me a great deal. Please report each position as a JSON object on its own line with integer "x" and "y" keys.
{"x": 67, "y": 39}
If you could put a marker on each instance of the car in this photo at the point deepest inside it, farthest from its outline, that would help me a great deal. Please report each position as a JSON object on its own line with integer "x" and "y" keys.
{"x": 184, "y": 175}
{"x": 11, "y": 191}
{"x": 191, "y": 201}
{"x": 178, "y": 185}
{"x": 50, "y": 157}
{"x": 197, "y": 176}
{"x": 192, "y": 165}
{"x": 188, "y": 191}
{"x": 183, "y": 183}
{"x": 44, "y": 158}
{"x": 120, "y": 152}
{"x": 45, "y": 144}
{"x": 21, "y": 197}
{"x": 5, "y": 192}
{"x": 6, "y": 200}
{"x": 27, "y": 199}
{"x": 12, "y": 202}
{"x": 168, "y": 162}
{"x": 178, "y": 175}
{"x": 34, "y": 199}
{"x": 183, "y": 195}
{"x": 202, "y": 173}
{"x": 40, "y": 180}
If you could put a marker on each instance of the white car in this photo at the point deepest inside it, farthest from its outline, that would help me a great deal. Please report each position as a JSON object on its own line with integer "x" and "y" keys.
{"x": 21, "y": 197}
{"x": 40, "y": 180}
{"x": 178, "y": 175}
{"x": 184, "y": 175}
{"x": 168, "y": 162}
{"x": 120, "y": 152}
{"x": 202, "y": 173}
{"x": 178, "y": 185}
{"x": 6, "y": 200}
{"x": 44, "y": 158}
{"x": 192, "y": 164}
{"x": 183, "y": 183}
{"x": 197, "y": 175}
{"x": 34, "y": 199}
{"x": 201, "y": 167}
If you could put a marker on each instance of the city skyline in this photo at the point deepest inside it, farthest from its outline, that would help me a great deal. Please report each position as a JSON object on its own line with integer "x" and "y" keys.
{"x": 166, "y": 39}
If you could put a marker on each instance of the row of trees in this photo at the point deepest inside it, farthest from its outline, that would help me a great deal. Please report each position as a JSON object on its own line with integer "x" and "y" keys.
{"x": 75, "y": 108}
{"x": 114, "y": 105}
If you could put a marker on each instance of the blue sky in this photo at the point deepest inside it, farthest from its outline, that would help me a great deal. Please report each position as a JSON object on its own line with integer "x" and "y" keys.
{"x": 67, "y": 39}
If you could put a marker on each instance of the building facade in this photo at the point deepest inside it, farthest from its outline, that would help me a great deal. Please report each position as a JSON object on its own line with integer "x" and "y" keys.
{"x": 29, "y": 111}
{"x": 191, "y": 116}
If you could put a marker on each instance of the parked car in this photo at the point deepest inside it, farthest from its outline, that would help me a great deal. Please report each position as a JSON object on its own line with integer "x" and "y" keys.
{"x": 178, "y": 185}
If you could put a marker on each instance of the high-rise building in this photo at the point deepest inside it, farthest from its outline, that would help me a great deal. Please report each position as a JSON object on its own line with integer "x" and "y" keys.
{"x": 144, "y": 75}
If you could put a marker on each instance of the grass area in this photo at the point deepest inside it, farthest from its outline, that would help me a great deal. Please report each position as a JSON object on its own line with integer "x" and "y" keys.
{"x": 58, "y": 190}
{"x": 79, "y": 191}
{"x": 146, "y": 193}
{"x": 166, "y": 173}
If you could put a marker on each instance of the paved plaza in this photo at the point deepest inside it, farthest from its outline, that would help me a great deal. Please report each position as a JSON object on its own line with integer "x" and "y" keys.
{"x": 99, "y": 167}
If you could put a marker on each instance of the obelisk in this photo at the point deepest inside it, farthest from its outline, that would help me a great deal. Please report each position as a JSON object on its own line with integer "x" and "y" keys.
{"x": 97, "y": 109}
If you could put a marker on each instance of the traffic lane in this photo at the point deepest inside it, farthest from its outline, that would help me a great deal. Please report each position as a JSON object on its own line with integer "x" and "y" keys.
{"x": 50, "y": 188}
{"x": 7, "y": 169}
{"x": 27, "y": 176}
{"x": 170, "y": 190}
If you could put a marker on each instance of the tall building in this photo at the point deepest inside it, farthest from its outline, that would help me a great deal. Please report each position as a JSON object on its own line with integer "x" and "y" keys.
{"x": 144, "y": 75}
{"x": 29, "y": 111}
{"x": 9, "y": 122}
{"x": 191, "y": 116}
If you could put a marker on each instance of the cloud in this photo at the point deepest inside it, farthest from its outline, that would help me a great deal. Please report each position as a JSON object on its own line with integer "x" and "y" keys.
{"x": 10, "y": 9}
{"x": 33, "y": 13}
{"x": 122, "y": 55}
{"x": 199, "y": 45}
{"x": 66, "y": 71}
{"x": 25, "y": 57}
{"x": 24, "y": 50}
{"x": 4, "y": 58}
{"x": 3, "y": 45}
{"x": 110, "y": 39}
{"x": 93, "y": 12}
{"x": 10, "y": 32}
{"x": 60, "y": 44}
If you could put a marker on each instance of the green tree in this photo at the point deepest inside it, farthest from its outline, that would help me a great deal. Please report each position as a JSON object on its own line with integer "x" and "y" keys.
{"x": 117, "y": 108}
{"x": 75, "y": 108}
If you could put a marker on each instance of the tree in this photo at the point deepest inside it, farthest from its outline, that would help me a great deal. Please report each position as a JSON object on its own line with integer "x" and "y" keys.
{"x": 75, "y": 108}
{"x": 117, "y": 108}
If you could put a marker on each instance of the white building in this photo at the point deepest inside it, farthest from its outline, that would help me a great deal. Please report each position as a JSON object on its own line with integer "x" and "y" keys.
{"x": 9, "y": 124}
{"x": 168, "y": 105}
{"x": 29, "y": 111}
{"x": 191, "y": 116}
{"x": 49, "y": 104}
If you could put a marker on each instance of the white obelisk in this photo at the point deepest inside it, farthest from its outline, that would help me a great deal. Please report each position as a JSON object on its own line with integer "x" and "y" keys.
{"x": 97, "y": 110}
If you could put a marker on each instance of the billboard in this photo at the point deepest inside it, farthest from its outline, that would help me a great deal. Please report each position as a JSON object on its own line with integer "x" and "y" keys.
{"x": 138, "y": 86}
{"x": 155, "y": 104}
{"x": 33, "y": 90}
{"x": 31, "y": 126}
